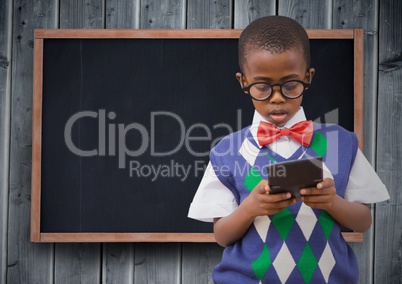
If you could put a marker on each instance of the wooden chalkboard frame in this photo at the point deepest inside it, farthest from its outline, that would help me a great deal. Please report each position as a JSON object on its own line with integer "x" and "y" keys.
{"x": 41, "y": 35}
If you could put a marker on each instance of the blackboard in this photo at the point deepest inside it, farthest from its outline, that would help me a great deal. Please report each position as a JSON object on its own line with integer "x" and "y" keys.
{"x": 124, "y": 120}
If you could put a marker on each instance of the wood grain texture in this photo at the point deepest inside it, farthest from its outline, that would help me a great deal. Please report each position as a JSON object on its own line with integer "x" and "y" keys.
{"x": 174, "y": 33}
{"x": 118, "y": 263}
{"x": 310, "y": 14}
{"x": 76, "y": 14}
{"x": 199, "y": 260}
{"x": 358, "y": 86}
{"x": 5, "y": 115}
{"x": 246, "y": 11}
{"x": 27, "y": 262}
{"x": 77, "y": 263}
{"x": 209, "y": 14}
{"x": 363, "y": 14}
{"x": 162, "y": 14}
{"x": 388, "y": 235}
{"x": 142, "y": 33}
{"x": 157, "y": 263}
{"x": 36, "y": 140}
{"x": 388, "y": 247}
{"x": 147, "y": 237}
{"x": 122, "y": 14}
{"x": 125, "y": 237}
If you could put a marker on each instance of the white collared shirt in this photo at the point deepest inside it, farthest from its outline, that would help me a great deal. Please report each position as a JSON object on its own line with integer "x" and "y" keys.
{"x": 215, "y": 200}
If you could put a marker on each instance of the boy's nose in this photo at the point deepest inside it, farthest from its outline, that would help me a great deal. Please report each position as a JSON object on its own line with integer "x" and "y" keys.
{"x": 276, "y": 96}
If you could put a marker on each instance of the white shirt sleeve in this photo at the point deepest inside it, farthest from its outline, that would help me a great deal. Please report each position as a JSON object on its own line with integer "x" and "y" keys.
{"x": 212, "y": 199}
{"x": 364, "y": 185}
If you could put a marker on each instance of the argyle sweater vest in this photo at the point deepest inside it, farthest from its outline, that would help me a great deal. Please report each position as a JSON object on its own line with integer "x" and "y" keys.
{"x": 300, "y": 244}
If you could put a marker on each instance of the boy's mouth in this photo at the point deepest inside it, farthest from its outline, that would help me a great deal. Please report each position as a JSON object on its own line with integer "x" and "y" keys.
{"x": 278, "y": 115}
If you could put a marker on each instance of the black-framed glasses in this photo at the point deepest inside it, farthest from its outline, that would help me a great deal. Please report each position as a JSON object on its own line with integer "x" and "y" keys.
{"x": 261, "y": 91}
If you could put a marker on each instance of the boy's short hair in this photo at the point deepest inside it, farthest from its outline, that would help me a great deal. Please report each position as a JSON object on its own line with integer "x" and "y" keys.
{"x": 275, "y": 34}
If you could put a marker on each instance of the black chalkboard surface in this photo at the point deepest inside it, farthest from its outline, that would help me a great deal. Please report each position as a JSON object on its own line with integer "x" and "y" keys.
{"x": 123, "y": 124}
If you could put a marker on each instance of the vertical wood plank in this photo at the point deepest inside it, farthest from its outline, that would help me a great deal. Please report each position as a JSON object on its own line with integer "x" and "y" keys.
{"x": 77, "y": 263}
{"x": 122, "y": 14}
{"x": 118, "y": 263}
{"x": 157, "y": 263}
{"x": 5, "y": 98}
{"x": 162, "y": 14}
{"x": 310, "y": 14}
{"x": 388, "y": 246}
{"x": 76, "y": 14}
{"x": 246, "y": 11}
{"x": 27, "y": 262}
{"x": 209, "y": 14}
{"x": 199, "y": 260}
{"x": 363, "y": 14}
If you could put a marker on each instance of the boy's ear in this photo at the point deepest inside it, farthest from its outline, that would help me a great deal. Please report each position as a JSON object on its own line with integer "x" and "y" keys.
{"x": 239, "y": 77}
{"x": 311, "y": 72}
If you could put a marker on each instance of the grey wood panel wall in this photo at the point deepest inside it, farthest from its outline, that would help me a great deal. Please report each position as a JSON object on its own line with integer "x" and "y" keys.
{"x": 5, "y": 76}
{"x": 25, "y": 262}
{"x": 247, "y": 11}
{"x": 388, "y": 234}
{"x": 115, "y": 19}
{"x": 311, "y": 14}
{"x": 209, "y": 14}
{"x": 162, "y": 14}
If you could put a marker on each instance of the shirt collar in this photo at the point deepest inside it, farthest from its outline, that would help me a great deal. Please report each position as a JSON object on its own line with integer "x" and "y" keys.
{"x": 299, "y": 116}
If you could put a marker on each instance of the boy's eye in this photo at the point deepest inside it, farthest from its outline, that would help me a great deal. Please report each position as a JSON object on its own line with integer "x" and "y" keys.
{"x": 262, "y": 87}
{"x": 291, "y": 86}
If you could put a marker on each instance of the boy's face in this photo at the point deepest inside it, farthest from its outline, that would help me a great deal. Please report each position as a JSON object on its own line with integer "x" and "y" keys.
{"x": 263, "y": 66}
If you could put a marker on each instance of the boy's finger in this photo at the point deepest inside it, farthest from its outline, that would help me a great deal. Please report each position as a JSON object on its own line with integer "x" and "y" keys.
{"x": 279, "y": 197}
{"x": 328, "y": 182}
{"x": 260, "y": 187}
{"x": 312, "y": 191}
{"x": 263, "y": 183}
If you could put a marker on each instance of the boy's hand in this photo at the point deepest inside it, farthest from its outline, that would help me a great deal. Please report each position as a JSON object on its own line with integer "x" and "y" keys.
{"x": 320, "y": 197}
{"x": 260, "y": 202}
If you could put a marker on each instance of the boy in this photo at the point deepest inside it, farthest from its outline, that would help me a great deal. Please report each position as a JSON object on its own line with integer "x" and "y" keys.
{"x": 272, "y": 238}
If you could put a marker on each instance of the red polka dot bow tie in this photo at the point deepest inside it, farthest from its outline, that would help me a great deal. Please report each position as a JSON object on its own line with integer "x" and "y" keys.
{"x": 301, "y": 132}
